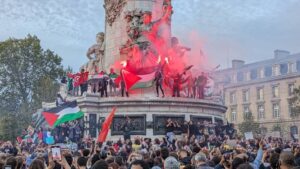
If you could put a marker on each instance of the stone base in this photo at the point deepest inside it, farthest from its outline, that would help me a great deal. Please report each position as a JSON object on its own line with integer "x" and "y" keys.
{"x": 148, "y": 114}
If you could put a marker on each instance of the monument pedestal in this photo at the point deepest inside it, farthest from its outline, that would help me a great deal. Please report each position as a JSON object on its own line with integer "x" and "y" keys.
{"x": 148, "y": 114}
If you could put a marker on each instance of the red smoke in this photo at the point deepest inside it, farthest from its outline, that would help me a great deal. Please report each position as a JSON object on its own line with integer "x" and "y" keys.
{"x": 161, "y": 53}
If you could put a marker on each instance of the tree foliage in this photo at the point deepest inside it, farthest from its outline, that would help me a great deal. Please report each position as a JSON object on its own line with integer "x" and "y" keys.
{"x": 28, "y": 76}
{"x": 249, "y": 125}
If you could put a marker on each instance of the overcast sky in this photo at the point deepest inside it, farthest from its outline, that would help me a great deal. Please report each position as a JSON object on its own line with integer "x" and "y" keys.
{"x": 226, "y": 29}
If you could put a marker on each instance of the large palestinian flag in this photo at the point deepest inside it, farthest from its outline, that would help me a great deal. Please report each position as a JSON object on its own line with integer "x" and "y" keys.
{"x": 66, "y": 112}
{"x": 145, "y": 81}
{"x": 137, "y": 81}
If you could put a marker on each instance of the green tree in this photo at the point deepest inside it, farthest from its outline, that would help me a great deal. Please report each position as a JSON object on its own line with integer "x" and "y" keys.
{"x": 28, "y": 76}
{"x": 249, "y": 125}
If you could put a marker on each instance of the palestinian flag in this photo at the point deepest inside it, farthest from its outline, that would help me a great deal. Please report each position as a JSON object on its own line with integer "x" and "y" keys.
{"x": 138, "y": 81}
{"x": 145, "y": 81}
{"x": 113, "y": 76}
{"x": 130, "y": 79}
{"x": 66, "y": 112}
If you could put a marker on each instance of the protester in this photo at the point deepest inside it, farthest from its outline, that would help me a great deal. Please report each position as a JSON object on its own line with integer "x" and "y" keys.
{"x": 210, "y": 151}
{"x": 112, "y": 85}
{"x": 159, "y": 82}
{"x": 59, "y": 100}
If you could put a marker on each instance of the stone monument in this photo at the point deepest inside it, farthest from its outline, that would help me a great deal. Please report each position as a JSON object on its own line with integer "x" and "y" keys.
{"x": 139, "y": 33}
{"x": 96, "y": 63}
{"x": 125, "y": 28}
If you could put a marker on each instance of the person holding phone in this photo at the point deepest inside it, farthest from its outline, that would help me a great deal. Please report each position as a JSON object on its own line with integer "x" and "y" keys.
{"x": 56, "y": 153}
{"x": 55, "y": 157}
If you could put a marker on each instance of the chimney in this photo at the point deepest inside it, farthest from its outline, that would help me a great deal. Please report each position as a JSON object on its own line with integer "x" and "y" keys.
{"x": 278, "y": 54}
{"x": 237, "y": 63}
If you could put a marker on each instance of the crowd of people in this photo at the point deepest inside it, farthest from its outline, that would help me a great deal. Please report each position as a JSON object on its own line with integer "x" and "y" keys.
{"x": 145, "y": 153}
{"x": 71, "y": 131}
{"x": 105, "y": 83}
{"x": 200, "y": 146}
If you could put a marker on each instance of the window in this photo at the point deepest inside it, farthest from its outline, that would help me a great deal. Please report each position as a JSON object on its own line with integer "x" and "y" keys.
{"x": 233, "y": 77}
{"x": 291, "y": 89}
{"x": 283, "y": 68}
{"x": 253, "y": 74}
{"x": 246, "y": 96}
{"x": 291, "y": 109}
{"x": 246, "y": 111}
{"x": 227, "y": 79}
{"x": 275, "y": 70}
{"x": 294, "y": 130}
{"x": 232, "y": 98}
{"x": 260, "y": 94}
{"x": 268, "y": 71}
{"x": 276, "y": 113}
{"x": 247, "y": 76}
{"x": 261, "y": 73}
{"x": 291, "y": 67}
{"x": 233, "y": 114}
{"x": 240, "y": 76}
{"x": 275, "y": 91}
{"x": 298, "y": 66}
{"x": 261, "y": 112}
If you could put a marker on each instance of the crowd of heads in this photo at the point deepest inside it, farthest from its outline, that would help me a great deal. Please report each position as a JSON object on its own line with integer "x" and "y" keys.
{"x": 184, "y": 152}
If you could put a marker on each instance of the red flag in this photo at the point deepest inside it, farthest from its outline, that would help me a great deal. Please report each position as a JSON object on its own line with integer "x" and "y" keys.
{"x": 130, "y": 79}
{"x": 105, "y": 126}
{"x": 118, "y": 80}
{"x": 70, "y": 75}
{"x": 83, "y": 77}
{"x": 75, "y": 77}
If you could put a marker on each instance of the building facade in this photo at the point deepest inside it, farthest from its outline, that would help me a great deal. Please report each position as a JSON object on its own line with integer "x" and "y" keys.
{"x": 263, "y": 88}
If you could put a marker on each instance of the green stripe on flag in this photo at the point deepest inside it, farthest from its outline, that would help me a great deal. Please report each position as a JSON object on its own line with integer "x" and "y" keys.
{"x": 145, "y": 82}
{"x": 68, "y": 117}
{"x": 143, "y": 85}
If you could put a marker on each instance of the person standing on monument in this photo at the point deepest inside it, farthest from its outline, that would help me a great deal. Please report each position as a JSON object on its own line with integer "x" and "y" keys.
{"x": 158, "y": 82}
{"x": 202, "y": 83}
{"x": 176, "y": 85}
{"x": 103, "y": 84}
{"x": 95, "y": 82}
{"x": 112, "y": 85}
{"x": 83, "y": 81}
{"x": 194, "y": 87}
{"x": 123, "y": 86}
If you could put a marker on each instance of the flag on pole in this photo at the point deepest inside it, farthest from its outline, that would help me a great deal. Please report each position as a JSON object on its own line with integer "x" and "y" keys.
{"x": 136, "y": 81}
{"x": 64, "y": 113}
{"x": 105, "y": 126}
{"x": 130, "y": 79}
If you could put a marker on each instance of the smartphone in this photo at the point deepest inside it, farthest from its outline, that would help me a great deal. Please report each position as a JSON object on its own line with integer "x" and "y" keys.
{"x": 7, "y": 167}
{"x": 227, "y": 155}
{"x": 56, "y": 153}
